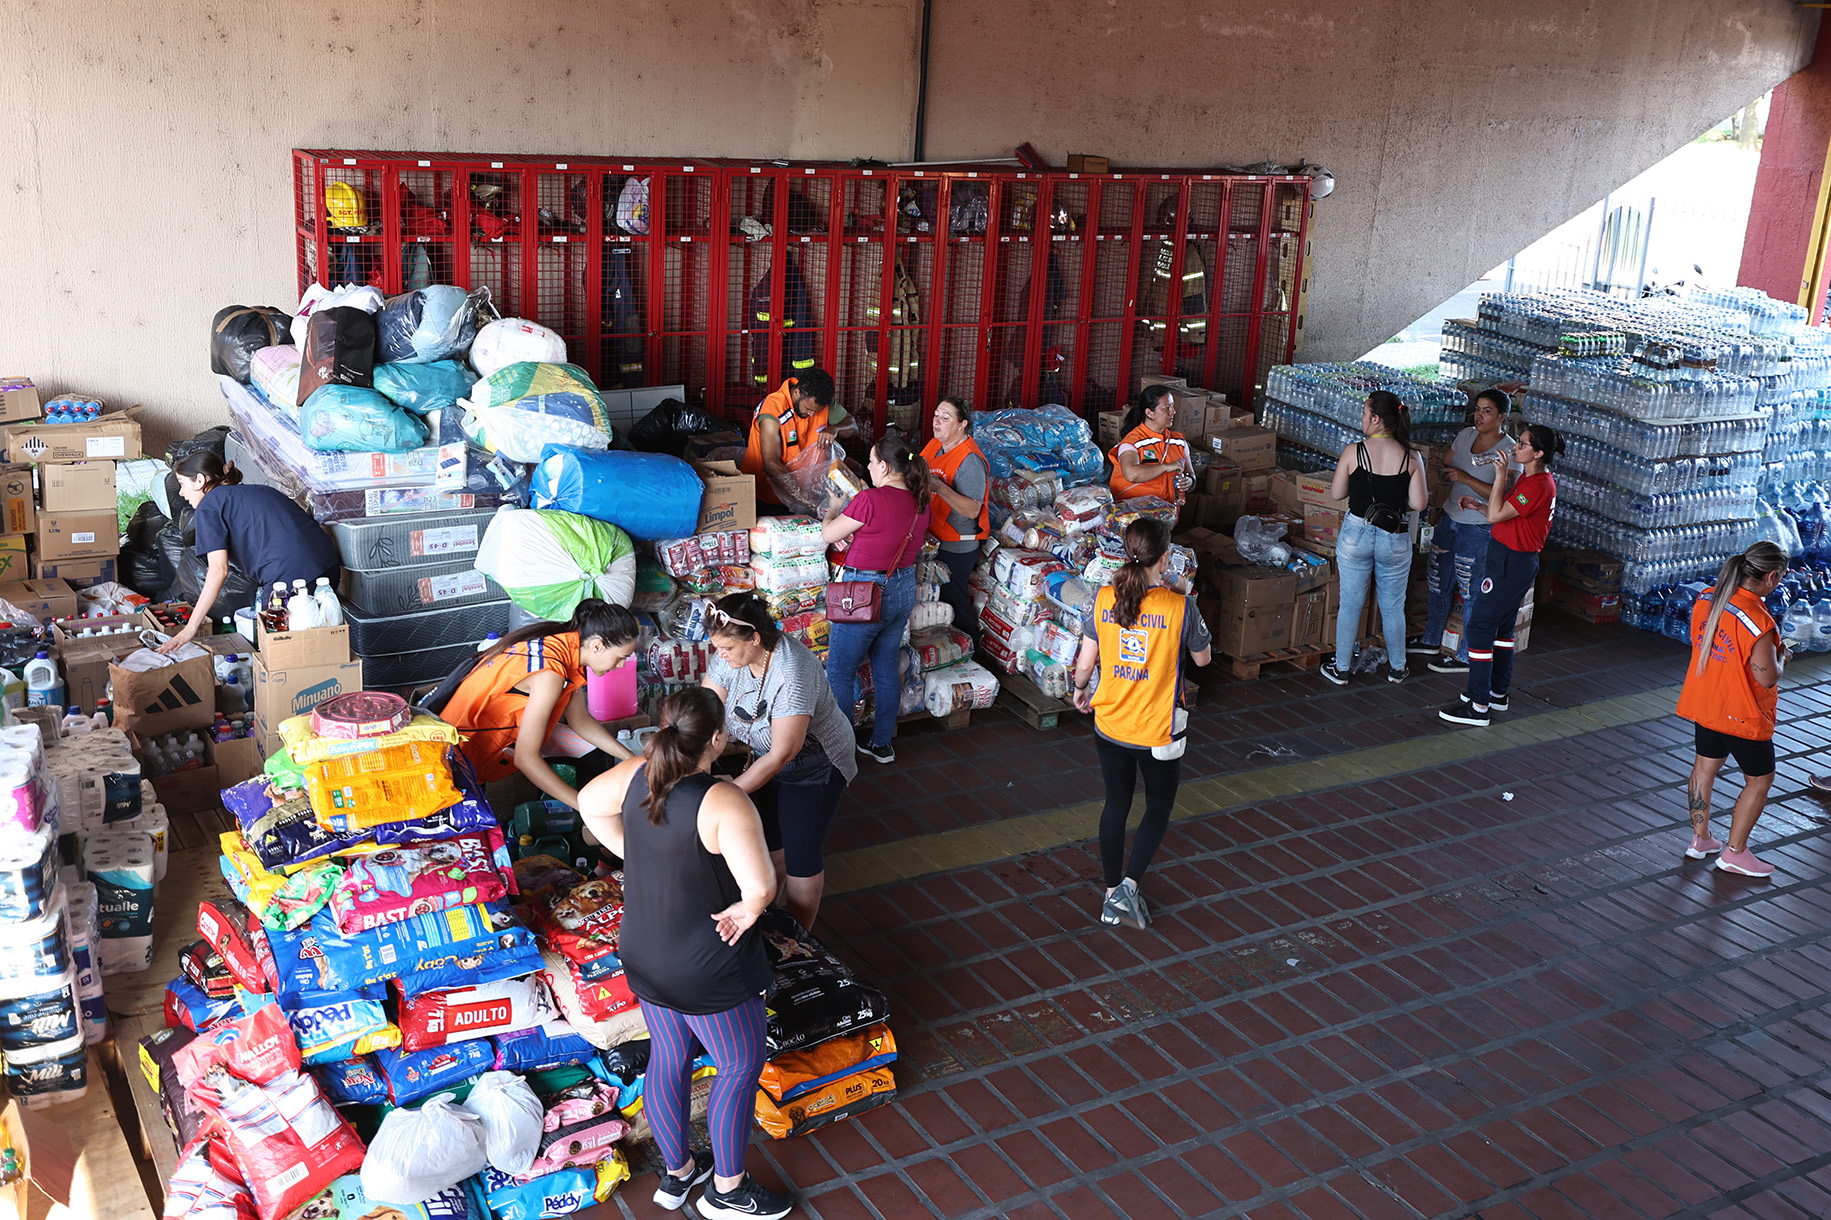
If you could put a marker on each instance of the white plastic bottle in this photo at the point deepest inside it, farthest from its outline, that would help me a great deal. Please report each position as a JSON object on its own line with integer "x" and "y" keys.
{"x": 43, "y": 688}
{"x": 330, "y": 610}
{"x": 301, "y": 610}
{"x": 234, "y": 698}
{"x": 74, "y": 723}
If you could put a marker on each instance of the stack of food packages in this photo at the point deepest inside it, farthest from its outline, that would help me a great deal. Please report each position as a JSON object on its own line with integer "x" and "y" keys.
{"x": 785, "y": 561}
{"x": 1035, "y": 582}
{"x": 387, "y": 975}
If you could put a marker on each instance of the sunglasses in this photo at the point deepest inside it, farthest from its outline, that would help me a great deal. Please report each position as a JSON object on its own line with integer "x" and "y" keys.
{"x": 761, "y": 712}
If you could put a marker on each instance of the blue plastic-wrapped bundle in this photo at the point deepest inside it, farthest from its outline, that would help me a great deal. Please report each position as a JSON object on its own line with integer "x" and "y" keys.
{"x": 649, "y": 495}
{"x": 356, "y": 419}
{"x": 1047, "y": 438}
{"x": 420, "y": 388}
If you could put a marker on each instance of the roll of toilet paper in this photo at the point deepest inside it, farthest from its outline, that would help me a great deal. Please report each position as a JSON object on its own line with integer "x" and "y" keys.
{"x": 28, "y": 872}
{"x": 153, "y": 822}
{"x": 85, "y": 933}
{"x": 34, "y": 951}
{"x": 120, "y": 866}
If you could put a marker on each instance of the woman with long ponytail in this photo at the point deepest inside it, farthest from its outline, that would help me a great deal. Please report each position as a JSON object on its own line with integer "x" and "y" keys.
{"x": 528, "y": 682}
{"x": 1135, "y": 638}
{"x": 1729, "y": 696}
{"x": 696, "y": 878}
{"x": 1151, "y": 458}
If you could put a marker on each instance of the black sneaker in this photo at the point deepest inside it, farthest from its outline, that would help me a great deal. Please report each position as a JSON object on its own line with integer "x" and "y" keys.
{"x": 1464, "y": 713}
{"x": 1331, "y": 674}
{"x": 750, "y": 1201}
{"x": 1443, "y": 663}
{"x": 1417, "y": 647}
{"x": 883, "y": 754}
{"x": 1496, "y": 703}
{"x": 1396, "y": 676}
{"x": 671, "y": 1191}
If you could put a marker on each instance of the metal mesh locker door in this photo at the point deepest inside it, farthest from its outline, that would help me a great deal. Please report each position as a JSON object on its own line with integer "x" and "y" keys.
{"x": 625, "y": 285}
{"x": 565, "y": 206}
{"x": 423, "y": 211}
{"x": 687, "y": 212}
{"x": 1117, "y": 238}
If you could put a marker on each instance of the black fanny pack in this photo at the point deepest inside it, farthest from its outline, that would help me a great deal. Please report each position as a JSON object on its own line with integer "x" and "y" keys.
{"x": 1385, "y": 517}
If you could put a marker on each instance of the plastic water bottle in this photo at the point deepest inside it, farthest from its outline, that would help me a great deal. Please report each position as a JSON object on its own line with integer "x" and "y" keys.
{"x": 1799, "y": 627}
{"x": 1821, "y": 626}
{"x": 330, "y": 610}
{"x": 301, "y": 610}
{"x": 43, "y": 688}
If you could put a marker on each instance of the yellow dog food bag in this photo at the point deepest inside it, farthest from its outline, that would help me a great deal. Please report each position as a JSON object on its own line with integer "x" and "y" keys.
{"x": 392, "y": 784}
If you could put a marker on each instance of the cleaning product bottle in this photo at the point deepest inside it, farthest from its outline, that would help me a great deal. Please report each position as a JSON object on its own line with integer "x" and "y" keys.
{"x": 301, "y": 610}
{"x": 233, "y": 698}
{"x": 74, "y": 723}
{"x": 330, "y": 610}
{"x": 43, "y": 688}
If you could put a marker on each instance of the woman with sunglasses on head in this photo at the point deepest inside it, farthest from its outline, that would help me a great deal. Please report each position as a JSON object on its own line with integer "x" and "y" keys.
{"x": 883, "y": 526}
{"x": 696, "y": 877}
{"x": 1521, "y": 520}
{"x": 779, "y": 705}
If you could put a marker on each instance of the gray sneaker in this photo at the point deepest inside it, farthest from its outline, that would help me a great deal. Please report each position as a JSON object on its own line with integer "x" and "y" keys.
{"x": 1125, "y": 906}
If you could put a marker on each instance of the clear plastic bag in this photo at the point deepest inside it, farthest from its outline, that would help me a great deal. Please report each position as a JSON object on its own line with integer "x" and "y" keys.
{"x": 418, "y": 1153}
{"x": 1259, "y": 543}
{"x": 511, "y": 1117}
{"x": 810, "y": 484}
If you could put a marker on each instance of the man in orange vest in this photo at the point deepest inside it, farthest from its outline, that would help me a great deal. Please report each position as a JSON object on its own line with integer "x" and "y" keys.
{"x": 788, "y": 422}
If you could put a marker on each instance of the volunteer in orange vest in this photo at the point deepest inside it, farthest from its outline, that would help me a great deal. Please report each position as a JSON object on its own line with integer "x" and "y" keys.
{"x": 1135, "y": 638}
{"x": 530, "y": 680}
{"x": 1152, "y": 460}
{"x": 959, "y": 476}
{"x": 787, "y": 424}
{"x": 1729, "y": 695}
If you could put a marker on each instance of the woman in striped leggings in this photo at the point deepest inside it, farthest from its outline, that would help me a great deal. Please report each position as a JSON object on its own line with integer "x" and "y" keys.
{"x": 696, "y": 877}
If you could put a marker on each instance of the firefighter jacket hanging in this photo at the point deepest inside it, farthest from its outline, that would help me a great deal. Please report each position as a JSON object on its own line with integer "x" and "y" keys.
{"x": 623, "y": 319}
{"x": 1192, "y": 328}
{"x": 799, "y": 341}
{"x": 904, "y": 355}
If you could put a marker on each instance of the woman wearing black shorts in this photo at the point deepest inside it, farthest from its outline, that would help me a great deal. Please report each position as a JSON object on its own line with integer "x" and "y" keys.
{"x": 1729, "y": 694}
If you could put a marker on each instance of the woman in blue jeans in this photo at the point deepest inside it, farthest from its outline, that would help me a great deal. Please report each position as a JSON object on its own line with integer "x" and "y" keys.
{"x": 884, "y": 525}
{"x": 1382, "y": 480}
{"x": 1459, "y": 549}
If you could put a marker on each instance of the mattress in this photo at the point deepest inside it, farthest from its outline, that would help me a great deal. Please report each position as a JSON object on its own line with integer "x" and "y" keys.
{"x": 259, "y": 422}
{"x": 410, "y": 540}
{"x": 441, "y": 627}
{"x": 428, "y": 666}
{"x": 392, "y": 591}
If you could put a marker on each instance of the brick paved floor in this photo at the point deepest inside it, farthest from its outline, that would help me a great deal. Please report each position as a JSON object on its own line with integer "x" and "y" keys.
{"x": 1407, "y": 998}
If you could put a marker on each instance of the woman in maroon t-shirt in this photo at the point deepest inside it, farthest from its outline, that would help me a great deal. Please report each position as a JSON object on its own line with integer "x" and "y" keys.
{"x": 1521, "y": 517}
{"x": 885, "y": 524}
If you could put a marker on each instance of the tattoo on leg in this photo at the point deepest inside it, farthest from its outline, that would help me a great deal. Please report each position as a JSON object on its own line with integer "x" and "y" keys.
{"x": 1700, "y": 809}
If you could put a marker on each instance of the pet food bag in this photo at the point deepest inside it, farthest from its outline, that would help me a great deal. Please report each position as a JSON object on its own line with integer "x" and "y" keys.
{"x": 396, "y": 883}
{"x": 333, "y": 1026}
{"x": 411, "y": 1075}
{"x": 555, "y": 1044}
{"x": 549, "y": 561}
{"x": 352, "y": 1082}
{"x": 304, "y": 747}
{"x": 397, "y": 784}
{"x": 319, "y": 957}
{"x": 555, "y": 1194}
{"x": 798, "y": 1073}
{"x": 606, "y": 1032}
{"x": 438, "y": 1017}
{"x": 188, "y": 1006}
{"x": 816, "y": 996}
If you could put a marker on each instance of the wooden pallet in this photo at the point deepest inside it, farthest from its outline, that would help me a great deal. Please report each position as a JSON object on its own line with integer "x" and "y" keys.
{"x": 1303, "y": 660}
{"x": 1021, "y": 697}
{"x": 147, "y": 1133}
{"x": 104, "y": 1169}
{"x": 959, "y": 718}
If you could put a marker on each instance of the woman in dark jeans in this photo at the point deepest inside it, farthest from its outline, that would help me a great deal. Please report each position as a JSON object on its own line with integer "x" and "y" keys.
{"x": 960, "y": 480}
{"x": 884, "y": 525}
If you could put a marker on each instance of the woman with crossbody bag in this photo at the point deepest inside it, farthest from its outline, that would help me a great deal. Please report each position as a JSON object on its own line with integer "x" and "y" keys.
{"x": 1382, "y": 480}
{"x": 884, "y": 525}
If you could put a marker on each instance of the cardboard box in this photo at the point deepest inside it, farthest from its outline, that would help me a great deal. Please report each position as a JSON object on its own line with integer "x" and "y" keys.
{"x": 1252, "y": 588}
{"x": 74, "y": 487}
{"x": 79, "y": 535}
{"x": 280, "y": 694}
{"x": 48, "y": 1161}
{"x": 179, "y": 696}
{"x": 316, "y": 647}
{"x": 1251, "y": 449}
{"x": 115, "y": 436}
{"x": 1087, "y": 163}
{"x": 18, "y": 513}
{"x": 730, "y": 502}
{"x": 1222, "y": 478}
{"x": 13, "y": 564}
{"x": 1112, "y": 429}
{"x": 1591, "y": 572}
{"x": 1252, "y": 631}
{"x": 238, "y": 760}
{"x": 19, "y": 400}
{"x": 80, "y": 573}
{"x": 86, "y": 658}
{"x": 1322, "y": 524}
{"x": 195, "y": 790}
{"x": 47, "y": 598}
{"x": 1216, "y": 419}
{"x": 1309, "y": 614}
{"x": 1590, "y": 607}
{"x": 1191, "y": 414}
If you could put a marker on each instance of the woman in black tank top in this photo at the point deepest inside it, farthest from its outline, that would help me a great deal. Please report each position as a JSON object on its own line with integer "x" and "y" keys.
{"x": 696, "y": 876}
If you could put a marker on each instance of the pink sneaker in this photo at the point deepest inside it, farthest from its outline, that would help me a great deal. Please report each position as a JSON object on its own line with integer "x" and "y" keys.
{"x": 1701, "y": 847}
{"x": 1743, "y": 862}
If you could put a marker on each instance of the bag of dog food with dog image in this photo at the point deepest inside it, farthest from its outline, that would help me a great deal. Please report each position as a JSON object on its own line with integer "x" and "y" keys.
{"x": 332, "y": 1026}
{"x": 411, "y": 1075}
{"x": 396, "y": 883}
{"x": 537, "y": 1048}
{"x": 582, "y": 922}
{"x": 438, "y": 1017}
{"x": 844, "y": 1098}
{"x": 815, "y": 996}
{"x": 320, "y": 957}
{"x": 352, "y": 1082}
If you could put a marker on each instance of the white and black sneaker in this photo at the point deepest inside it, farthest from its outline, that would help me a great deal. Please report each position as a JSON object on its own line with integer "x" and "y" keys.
{"x": 1496, "y": 703}
{"x": 1418, "y": 648}
{"x": 1396, "y": 676}
{"x": 883, "y": 754}
{"x": 671, "y": 1192}
{"x": 1465, "y": 713}
{"x": 751, "y": 1200}
{"x": 1444, "y": 663}
{"x": 1331, "y": 674}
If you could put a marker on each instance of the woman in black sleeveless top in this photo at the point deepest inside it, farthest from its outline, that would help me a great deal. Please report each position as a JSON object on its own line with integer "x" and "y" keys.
{"x": 696, "y": 875}
{"x": 1382, "y": 480}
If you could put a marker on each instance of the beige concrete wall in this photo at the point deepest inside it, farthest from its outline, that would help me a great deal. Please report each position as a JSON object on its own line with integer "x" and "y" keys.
{"x": 144, "y": 178}
{"x": 144, "y": 175}
{"x": 1459, "y": 130}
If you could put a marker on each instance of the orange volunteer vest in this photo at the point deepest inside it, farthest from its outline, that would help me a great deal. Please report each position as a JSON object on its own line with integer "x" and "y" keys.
{"x": 798, "y": 435}
{"x": 1152, "y": 447}
{"x": 945, "y": 464}
{"x": 1140, "y": 668}
{"x": 487, "y": 708}
{"x": 1725, "y": 697}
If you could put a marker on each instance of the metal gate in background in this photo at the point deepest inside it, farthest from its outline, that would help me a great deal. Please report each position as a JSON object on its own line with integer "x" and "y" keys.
{"x": 1005, "y": 286}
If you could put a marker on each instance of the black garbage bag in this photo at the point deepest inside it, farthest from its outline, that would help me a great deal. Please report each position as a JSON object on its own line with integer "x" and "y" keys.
{"x": 238, "y": 590}
{"x": 211, "y": 439}
{"x": 667, "y": 427}
{"x": 239, "y": 331}
{"x": 144, "y": 566}
{"x": 339, "y": 350}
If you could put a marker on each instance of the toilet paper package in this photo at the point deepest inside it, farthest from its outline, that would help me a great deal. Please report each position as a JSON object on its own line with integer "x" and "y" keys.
{"x": 22, "y": 790}
{"x": 35, "y": 951}
{"x": 120, "y": 866}
{"x": 36, "y": 1014}
{"x": 153, "y": 822}
{"x": 47, "y": 1075}
{"x": 85, "y": 932}
{"x": 28, "y": 871}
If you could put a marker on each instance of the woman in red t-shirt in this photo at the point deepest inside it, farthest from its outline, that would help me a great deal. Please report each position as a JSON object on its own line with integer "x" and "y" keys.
{"x": 1521, "y": 518}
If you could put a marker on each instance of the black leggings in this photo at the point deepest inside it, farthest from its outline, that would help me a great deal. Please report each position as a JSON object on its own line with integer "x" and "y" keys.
{"x": 956, "y": 593}
{"x": 1119, "y": 767}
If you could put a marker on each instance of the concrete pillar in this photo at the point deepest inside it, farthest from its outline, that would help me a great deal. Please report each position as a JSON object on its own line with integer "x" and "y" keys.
{"x": 1784, "y": 253}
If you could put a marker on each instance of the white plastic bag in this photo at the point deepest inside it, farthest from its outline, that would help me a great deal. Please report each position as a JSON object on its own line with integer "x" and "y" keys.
{"x": 632, "y": 205}
{"x": 317, "y": 296}
{"x": 418, "y": 1153}
{"x": 521, "y": 435}
{"x": 511, "y": 1117}
{"x": 512, "y": 340}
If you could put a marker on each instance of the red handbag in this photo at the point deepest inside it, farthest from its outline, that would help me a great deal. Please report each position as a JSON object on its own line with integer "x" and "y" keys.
{"x": 861, "y": 601}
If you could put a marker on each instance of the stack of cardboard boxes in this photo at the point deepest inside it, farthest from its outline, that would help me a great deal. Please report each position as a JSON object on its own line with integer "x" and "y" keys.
{"x": 1254, "y": 610}
{"x": 1240, "y": 456}
{"x": 294, "y": 671}
{"x": 71, "y": 528}
{"x": 1586, "y": 584}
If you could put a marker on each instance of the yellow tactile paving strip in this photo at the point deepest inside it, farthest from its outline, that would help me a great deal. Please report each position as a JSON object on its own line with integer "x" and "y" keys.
{"x": 974, "y": 846}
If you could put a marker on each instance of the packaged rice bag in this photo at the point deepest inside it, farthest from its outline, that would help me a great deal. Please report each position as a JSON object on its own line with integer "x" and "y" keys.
{"x": 785, "y": 538}
{"x": 438, "y": 1017}
{"x": 1080, "y": 509}
{"x": 393, "y": 784}
{"x": 777, "y": 574}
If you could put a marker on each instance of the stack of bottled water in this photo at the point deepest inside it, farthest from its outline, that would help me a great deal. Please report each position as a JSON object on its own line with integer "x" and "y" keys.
{"x": 1319, "y": 406}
